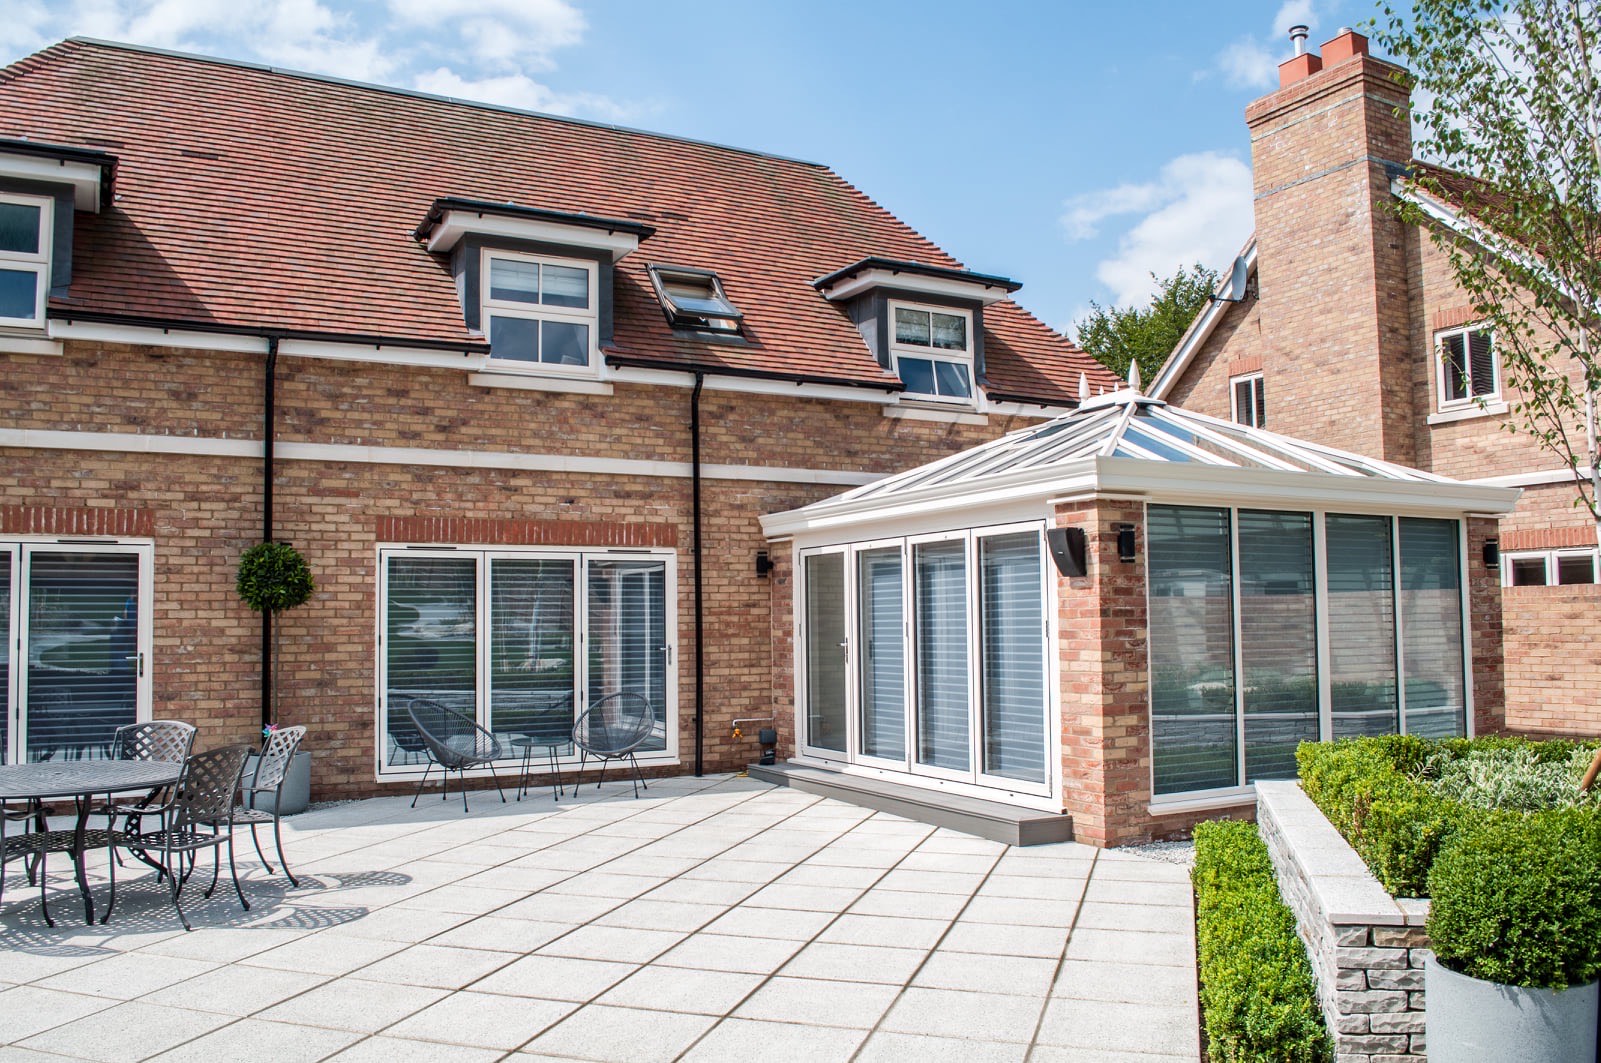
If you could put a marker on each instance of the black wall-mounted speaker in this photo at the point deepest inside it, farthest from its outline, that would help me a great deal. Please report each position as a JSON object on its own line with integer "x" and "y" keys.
{"x": 1067, "y": 550}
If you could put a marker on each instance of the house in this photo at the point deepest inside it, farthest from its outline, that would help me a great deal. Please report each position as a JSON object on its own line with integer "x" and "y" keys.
{"x": 518, "y": 387}
{"x": 1343, "y": 325}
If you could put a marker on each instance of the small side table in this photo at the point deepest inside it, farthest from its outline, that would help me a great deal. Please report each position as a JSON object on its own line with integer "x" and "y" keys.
{"x": 555, "y": 749}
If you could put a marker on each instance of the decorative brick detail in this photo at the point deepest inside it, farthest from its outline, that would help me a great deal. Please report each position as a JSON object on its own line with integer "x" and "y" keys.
{"x": 1454, "y": 317}
{"x": 1548, "y": 538}
{"x": 522, "y": 532}
{"x": 76, "y": 520}
{"x": 1249, "y": 364}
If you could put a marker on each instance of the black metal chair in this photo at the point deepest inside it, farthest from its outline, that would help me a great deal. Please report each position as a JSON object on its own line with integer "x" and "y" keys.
{"x": 198, "y": 817}
{"x": 456, "y": 743}
{"x": 612, "y": 729}
{"x": 157, "y": 742}
{"x": 272, "y": 768}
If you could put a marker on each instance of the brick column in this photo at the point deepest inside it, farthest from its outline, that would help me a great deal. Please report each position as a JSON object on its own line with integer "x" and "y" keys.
{"x": 1484, "y": 614}
{"x": 781, "y": 585}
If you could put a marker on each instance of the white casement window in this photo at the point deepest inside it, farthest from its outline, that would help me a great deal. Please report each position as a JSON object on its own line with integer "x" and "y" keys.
{"x": 1549, "y": 568}
{"x": 1249, "y": 400}
{"x": 932, "y": 347}
{"x": 541, "y": 313}
{"x": 1470, "y": 371}
{"x": 522, "y": 640}
{"x": 24, "y": 259}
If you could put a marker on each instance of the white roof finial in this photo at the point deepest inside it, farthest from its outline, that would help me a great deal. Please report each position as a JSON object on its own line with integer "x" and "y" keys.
{"x": 1134, "y": 376}
{"x": 1083, "y": 387}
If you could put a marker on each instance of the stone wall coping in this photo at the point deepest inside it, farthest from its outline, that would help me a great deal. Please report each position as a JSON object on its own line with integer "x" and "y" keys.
{"x": 1346, "y": 890}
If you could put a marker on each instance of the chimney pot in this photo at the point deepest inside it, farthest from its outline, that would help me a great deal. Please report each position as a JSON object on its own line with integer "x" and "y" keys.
{"x": 1346, "y": 45}
{"x": 1298, "y": 39}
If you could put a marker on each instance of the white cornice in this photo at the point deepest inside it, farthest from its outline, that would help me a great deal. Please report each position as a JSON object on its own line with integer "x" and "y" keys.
{"x": 84, "y": 177}
{"x": 459, "y": 223}
{"x": 868, "y": 279}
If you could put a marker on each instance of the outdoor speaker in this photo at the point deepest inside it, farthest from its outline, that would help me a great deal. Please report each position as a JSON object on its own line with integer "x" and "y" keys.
{"x": 1492, "y": 553}
{"x": 1067, "y": 550}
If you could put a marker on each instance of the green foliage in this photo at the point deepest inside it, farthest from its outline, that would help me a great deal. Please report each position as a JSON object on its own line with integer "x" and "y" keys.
{"x": 1509, "y": 97}
{"x": 1117, "y": 336}
{"x": 1516, "y": 899}
{"x": 273, "y": 577}
{"x": 1257, "y": 993}
{"x": 1513, "y": 778}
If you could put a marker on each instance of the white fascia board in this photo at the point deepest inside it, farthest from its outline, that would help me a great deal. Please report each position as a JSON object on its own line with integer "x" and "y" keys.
{"x": 459, "y": 223}
{"x": 441, "y": 358}
{"x": 138, "y": 335}
{"x": 1023, "y": 409}
{"x": 1541, "y": 478}
{"x": 1200, "y": 330}
{"x": 744, "y": 385}
{"x": 984, "y": 294}
{"x": 84, "y": 177}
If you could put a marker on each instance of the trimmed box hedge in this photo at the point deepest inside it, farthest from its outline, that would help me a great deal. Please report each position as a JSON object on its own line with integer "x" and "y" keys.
{"x": 1258, "y": 997}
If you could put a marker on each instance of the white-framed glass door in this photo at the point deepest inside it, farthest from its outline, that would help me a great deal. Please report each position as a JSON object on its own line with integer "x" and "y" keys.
{"x": 883, "y": 665}
{"x": 1014, "y": 648}
{"x": 825, "y": 648}
{"x": 943, "y": 687}
{"x": 76, "y": 666}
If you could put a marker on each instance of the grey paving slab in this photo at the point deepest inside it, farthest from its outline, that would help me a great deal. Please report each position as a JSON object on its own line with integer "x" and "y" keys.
{"x": 1148, "y": 1029}
{"x": 555, "y": 977}
{"x": 966, "y": 1015}
{"x": 855, "y": 963}
{"x": 682, "y": 989}
{"x": 354, "y": 1004}
{"x": 126, "y": 1031}
{"x": 27, "y": 1010}
{"x": 888, "y": 1047}
{"x": 741, "y": 1040}
{"x": 482, "y": 1020}
{"x": 252, "y": 1039}
{"x": 815, "y": 1002}
{"x": 625, "y": 1035}
{"x": 404, "y": 1050}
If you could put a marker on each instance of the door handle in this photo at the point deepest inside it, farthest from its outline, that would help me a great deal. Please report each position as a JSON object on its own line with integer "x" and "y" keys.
{"x": 139, "y": 668}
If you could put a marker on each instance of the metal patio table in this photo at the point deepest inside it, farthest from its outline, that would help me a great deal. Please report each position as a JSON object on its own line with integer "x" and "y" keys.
{"x": 83, "y": 781}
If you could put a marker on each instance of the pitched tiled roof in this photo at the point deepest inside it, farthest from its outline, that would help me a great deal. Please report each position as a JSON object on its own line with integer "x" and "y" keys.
{"x": 255, "y": 198}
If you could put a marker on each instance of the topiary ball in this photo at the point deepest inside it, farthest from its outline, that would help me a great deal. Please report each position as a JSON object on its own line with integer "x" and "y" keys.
{"x": 273, "y": 577}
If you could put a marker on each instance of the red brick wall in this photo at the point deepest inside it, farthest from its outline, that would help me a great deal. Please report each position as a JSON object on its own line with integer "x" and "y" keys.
{"x": 1553, "y": 671}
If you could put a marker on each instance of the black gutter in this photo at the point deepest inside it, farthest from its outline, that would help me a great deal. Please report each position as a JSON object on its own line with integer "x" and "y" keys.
{"x": 445, "y": 204}
{"x": 269, "y": 429}
{"x": 173, "y": 324}
{"x": 704, "y": 369}
{"x": 700, "y": 627}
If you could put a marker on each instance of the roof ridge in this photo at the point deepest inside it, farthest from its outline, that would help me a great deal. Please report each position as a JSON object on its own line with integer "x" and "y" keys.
{"x": 27, "y": 63}
{"x": 394, "y": 90}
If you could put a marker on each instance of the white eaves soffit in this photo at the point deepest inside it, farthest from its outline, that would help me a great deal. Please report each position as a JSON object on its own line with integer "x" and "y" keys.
{"x": 1126, "y": 444}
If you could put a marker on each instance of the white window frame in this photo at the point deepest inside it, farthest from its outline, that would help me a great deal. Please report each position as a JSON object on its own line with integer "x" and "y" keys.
{"x": 1442, "y": 378}
{"x": 1258, "y": 391}
{"x": 1550, "y": 559}
{"x": 38, "y": 264}
{"x": 485, "y": 556}
{"x": 962, "y": 358}
{"x": 590, "y": 316}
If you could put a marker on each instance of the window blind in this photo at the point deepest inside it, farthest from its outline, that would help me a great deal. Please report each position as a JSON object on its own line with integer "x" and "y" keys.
{"x": 1431, "y": 627}
{"x": 883, "y": 665}
{"x": 825, "y": 651}
{"x": 431, "y": 643}
{"x": 6, "y": 707}
{"x": 941, "y": 654}
{"x": 1278, "y": 640}
{"x": 1481, "y": 362}
{"x": 531, "y": 677}
{"x": 1011, "y": 608}
{"x": 628, "y": 635}
{"x": 1361, "y": 614}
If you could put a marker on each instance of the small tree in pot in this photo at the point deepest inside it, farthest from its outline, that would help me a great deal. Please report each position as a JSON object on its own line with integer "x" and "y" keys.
{"x": 274, "y": 577}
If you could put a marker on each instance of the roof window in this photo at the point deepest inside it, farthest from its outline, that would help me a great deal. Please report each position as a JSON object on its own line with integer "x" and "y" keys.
{"x": 694, "y": 299}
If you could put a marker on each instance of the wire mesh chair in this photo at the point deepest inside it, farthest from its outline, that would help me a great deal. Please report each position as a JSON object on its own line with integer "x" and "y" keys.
{"x": 272, "y": 768}
{"x": 612, "y": 729}
{"x": 198, "y": 817}
{"x": 456, "y": 743}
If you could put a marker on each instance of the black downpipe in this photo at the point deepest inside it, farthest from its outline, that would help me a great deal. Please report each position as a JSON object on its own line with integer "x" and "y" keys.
{"x": 268, "y": 431}
{"x": 700, "y": 642}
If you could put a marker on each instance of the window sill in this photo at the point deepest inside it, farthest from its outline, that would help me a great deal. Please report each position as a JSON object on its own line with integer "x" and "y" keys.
{"x": 915, "y": 411}
{"x": 522, "y": 382}
{"x": 1169, "y": 806}
{"x": 1468, "y": 413}
{"x": 28, "y": 341}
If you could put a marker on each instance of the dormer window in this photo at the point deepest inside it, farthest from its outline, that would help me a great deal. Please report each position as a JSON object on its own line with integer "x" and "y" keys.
{"x": 25, "y": 242}
{"x": 933, "y": 351}
{"x": 540, "y": 311}
{"x": 694, "y": 299}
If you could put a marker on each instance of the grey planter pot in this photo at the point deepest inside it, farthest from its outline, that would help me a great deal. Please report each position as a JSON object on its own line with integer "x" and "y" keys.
{"x": 1473, "y": 1021}
{"x": 296, "y": 795}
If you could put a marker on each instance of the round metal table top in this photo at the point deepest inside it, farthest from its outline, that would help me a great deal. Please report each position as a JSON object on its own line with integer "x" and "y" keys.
{"x": 74, "y": 778}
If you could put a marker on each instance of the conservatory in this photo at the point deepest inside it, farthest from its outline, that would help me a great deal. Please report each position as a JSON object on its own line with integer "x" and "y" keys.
{"x": 1131, "y": 613}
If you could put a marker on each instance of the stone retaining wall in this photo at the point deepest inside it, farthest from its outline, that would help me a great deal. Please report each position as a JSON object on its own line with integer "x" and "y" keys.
{"x": 1367, "y": 948}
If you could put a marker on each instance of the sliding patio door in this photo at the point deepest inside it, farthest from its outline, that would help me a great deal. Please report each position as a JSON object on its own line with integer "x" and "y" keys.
{"x": 629, "y": 652}
{"x": 881, "y": 609}
{"x": 79, "y": 615}
{"x": 827, "y": 653}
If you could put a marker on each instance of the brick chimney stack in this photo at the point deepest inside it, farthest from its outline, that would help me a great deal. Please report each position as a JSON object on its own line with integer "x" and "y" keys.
{"x": 1331, "y": 264}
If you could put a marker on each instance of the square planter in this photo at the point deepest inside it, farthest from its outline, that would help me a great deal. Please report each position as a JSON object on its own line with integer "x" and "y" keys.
{"x": 296, "y": 794}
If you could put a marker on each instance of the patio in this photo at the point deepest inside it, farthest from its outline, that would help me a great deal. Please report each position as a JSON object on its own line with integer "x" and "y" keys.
{"x": 715, "y": 918}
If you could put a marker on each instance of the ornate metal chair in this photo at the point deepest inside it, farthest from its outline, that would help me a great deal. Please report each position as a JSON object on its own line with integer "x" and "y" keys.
{"x": 456, "y": 743}
{"x": 267, "y": 784}
{"x": 612, "y": 729}
{"x": 157, "y": 741}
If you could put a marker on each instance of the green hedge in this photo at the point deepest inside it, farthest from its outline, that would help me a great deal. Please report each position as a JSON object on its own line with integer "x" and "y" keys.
{"x": 1257, "y": 993}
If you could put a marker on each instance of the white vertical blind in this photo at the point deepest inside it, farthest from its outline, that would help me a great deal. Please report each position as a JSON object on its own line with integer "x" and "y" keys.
{"x": 880, "y": 583}
{"x": 1012, "y": 612}
{"x": 431, "y": 643}
{"x": 825, "y": 651}
{"x": 941, "y": 654}
{"x": 6, "y": 708}
{"x": 1278, "y": 640}
{"x": 1361, "y": 608}
{"x": 1431, "y": 627}
{"x": 531, "y": 664}
{"x": 628, "y": 635}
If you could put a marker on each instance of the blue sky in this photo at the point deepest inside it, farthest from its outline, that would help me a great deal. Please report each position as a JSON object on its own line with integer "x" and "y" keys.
{"x": 1073, "y": 146}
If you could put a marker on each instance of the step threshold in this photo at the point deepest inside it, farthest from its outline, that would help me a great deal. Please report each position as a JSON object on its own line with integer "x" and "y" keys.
{"x": 970, "y": 815}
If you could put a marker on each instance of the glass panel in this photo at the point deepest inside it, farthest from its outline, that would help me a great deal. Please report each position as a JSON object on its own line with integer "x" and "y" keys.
{"x": 1191, "y": 648}
{"x": 1576, "y": 568}
{"x": 19, "y": 228}
{"x": 942, "y": 691}
{"x": 1260, "y": 387}
{"x": 83, "y": 645}
{"x": 1012, "y": 610}
{"x": 1361, "y": 626}
{"x": 912, "y": 326}
{"x": 952, "y": 380}
{"x": 5, "y": 656}
{"x": 1431, "y": 627}
{"x": 1243, "y": 407}
{"x": 431, "y": 644}
{"x": 1528, "y": 571}
{"x": 628, "y": 636}
{"x": 917, "y": 374}
{"x": 515, "y": 338}
{"x": 19, "y": 293}
{"x": 950, "y": 332}
{"x": 1481, "y": 362}
{"x": 883, "y": 680}
{"x": 564, "y": 343}
{"x": 513, "y": 281}
{"x": 1454, "y": 365}
{"x": 531, "y": 648}
{"x": 566, "y": 286}
{"x": 1278, "y": 640}
{"x": 825, "y": 651}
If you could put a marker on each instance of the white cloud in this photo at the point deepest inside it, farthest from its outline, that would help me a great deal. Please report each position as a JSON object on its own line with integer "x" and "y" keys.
{"x": 1198, "y": 209}
{"x": 502, "y": 32}
{"x": 519, "y": 90}
{"x": 1252, "y": 62}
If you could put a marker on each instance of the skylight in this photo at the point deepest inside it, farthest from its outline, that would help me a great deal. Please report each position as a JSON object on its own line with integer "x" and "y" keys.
{"x": 694, "y": 299}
